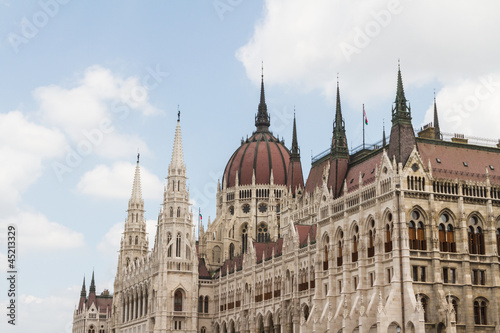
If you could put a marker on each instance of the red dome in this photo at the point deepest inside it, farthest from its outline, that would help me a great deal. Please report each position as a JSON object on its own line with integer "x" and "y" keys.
{"x": 260, "y": 153}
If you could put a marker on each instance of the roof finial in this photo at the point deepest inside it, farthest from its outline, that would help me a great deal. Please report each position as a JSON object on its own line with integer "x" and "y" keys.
{"x": 262, "y": 71}
{"x": 262, "y": 119}
{"x": 138, "y": 155}
{"x": 178, "y": 113}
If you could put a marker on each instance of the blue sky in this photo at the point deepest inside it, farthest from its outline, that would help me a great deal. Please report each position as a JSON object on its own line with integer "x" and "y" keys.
{"x": 74, "y": 70}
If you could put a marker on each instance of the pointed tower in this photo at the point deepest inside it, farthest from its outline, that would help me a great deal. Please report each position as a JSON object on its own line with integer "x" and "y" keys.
{"x": 262, "y": 119}
{"x": 402, "y": 138}
{"x": 339, "y": 151}
{"x": 177, "y": 275}
{"x": 83, "y": 297}
{"x": 295, "y": 177}
{"x": 134, "y": 244}
{"x": 437, "y": 130}
{"x": 384, "y": 143}
{"x": 92, "y": 296}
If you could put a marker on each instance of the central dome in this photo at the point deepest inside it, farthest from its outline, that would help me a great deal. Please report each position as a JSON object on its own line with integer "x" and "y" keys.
{"x": 262, "y": 154}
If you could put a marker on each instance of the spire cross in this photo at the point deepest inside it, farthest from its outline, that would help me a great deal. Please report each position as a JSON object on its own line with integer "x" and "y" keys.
{"x": 178, "y": 113}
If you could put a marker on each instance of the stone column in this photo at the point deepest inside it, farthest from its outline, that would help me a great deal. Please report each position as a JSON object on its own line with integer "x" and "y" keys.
{"x": 277, "y": 328}
{"x": 289, "y": 328}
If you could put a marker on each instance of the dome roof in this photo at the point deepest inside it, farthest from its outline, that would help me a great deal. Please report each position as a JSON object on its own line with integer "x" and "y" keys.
{"x": 261, "y": 153}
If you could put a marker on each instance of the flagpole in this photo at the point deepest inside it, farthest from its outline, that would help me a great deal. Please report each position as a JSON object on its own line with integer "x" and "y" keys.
{"x": 363, "y": 126}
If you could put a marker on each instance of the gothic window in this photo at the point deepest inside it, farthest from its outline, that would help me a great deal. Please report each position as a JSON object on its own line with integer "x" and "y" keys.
{"x": 178, "y": 211}
{"x": 206, "y": 304}
{"x": 371, "y": 239}
{"x": 417, "y": 232}
{"x": 136, "y": 240}
{"x": 128, "y": 261}
{"x": 480, "y": 312}
{"x": 231, "y": 210}
{"x": 475, "y": 236}
{"x": 355, "y": 240}
{"x": 388, "y": 237}
{"x": 231, "y": 251}
{"x": 446, "y": 235}
{"x": 203, "y": 329}
{"x": 424, "y": 307}
{"x": 200, "y": 304}
{"x": 178, "y": 185}
{"x": 216, "y": 252}
{"x": 246, "y": 208}
{"x": 178, "y": 301}
{"x": 325, "y": 258}
{"x": 262, "y": 234}
{"x": 244, "y": 238}
{"x": 340, "y": 246}
{"x": 263, "y": 208}
{"x": 171, "y": 211}
{"x": 178, "y": 245}
{"x": 169, "y": 239}
{"x": 91, "y": 329}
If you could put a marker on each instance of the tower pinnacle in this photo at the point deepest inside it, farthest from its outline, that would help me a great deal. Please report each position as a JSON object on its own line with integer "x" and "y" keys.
{"x": 295, "y": 145}
{"x": 84, "y": 291}
{"x": 339, "y": 141}
{"x": 262, "y": 119}
{"x": 437, "y": 130}
{"x": 177, "y": 161}
{"x": 92, "y": 285}
{"x": 136, "y": 197}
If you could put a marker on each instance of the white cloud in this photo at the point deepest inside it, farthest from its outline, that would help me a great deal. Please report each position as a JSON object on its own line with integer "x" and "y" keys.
{"x": 93, "y": 108}
{"x": 303, "y": 44}
{"x": 39, "y": 234}
{"x": 116, "y": 182}
{"x": 24, "y": 146}
{"x": 110, "y": 243}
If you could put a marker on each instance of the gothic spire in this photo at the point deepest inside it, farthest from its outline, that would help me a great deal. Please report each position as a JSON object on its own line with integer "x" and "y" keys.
{"x": 262, "y": 119}
{"x": 92, "y": 285}
{"x": 177, "y": 153}
{"x": 383, "y": 136}
{"x": 437, "y": 130}
{"x": 339, "y": 142}
{"x": 401, "y": 113}
{"x": 136, "y": 196}
{"x": 295, "y": 145}
{"x": 84, "y": 291}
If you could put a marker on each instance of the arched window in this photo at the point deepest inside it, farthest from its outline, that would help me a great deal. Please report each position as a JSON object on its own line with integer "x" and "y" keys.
{"x": 417, "y": 236}
{"x": 325, "y": 252}
{"x": 355, "y": 240}
{"x": 171, "y": 211}
{"x": 231, "y": 251}
{"x": 169, "y": 239}
{"x": 476, "y": 236}
{"x": 203, "y": 329}
{"x": 216, "y": 253}
{"x": 178, "y": 211}
{"x": 262, "y": 234}
{"x": 480, "y": 312}
{"x": 91, "y": 329}
{"x": 454, "y": 303}
{"x": 206, "y": 304}
{"x": 340, "y": 246}
{"x": 178, "y": 185}
{"x": 446, "y": 234}
{"x": 200, "y": 304}
{"x": 136, "y": 240}
{"x": 178, "y": 245}
{"x": 388, "y": 237}
{"x": 128, "y": 261}
{"x": 244, "y": 238}
{"x": 178, "y": 301}
{"x": 371, "y": 239}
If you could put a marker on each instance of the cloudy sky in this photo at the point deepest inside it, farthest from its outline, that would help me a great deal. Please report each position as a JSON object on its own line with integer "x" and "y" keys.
{"x": 85, "y": 85}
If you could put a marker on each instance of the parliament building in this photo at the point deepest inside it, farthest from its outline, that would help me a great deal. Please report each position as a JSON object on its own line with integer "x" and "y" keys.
{"x": 402, "y": 236}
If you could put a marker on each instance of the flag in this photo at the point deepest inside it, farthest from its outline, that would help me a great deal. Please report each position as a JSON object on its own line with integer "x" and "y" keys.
{"x": 201, "y": 216}
{"x": 364, "y": 114}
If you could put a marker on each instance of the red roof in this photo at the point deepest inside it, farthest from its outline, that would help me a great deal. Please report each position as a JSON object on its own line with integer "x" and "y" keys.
{"x": 452, "y": 157}
{"x": 306, "y": 232}
{"x": 367, "y": 170}
{"x": 262, "y": 152}
{"x": 202, "y": 269}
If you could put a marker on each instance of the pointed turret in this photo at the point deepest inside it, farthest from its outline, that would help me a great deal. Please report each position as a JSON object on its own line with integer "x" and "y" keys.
{"x": 339, "y": 142}
{"x": 136, "y": 197}
{"x": 177, "y": 161}
{"x": 92, "y": 296}
{"x": 295, "y": 177}
{"x": 262, "y": 119}
{"x": 402, "y": 138}
{"x": 83, "y": 296}
{"x": 384, "y": 143}
{"x": 437, "y": 130}
{"x": 339, "y": 151}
